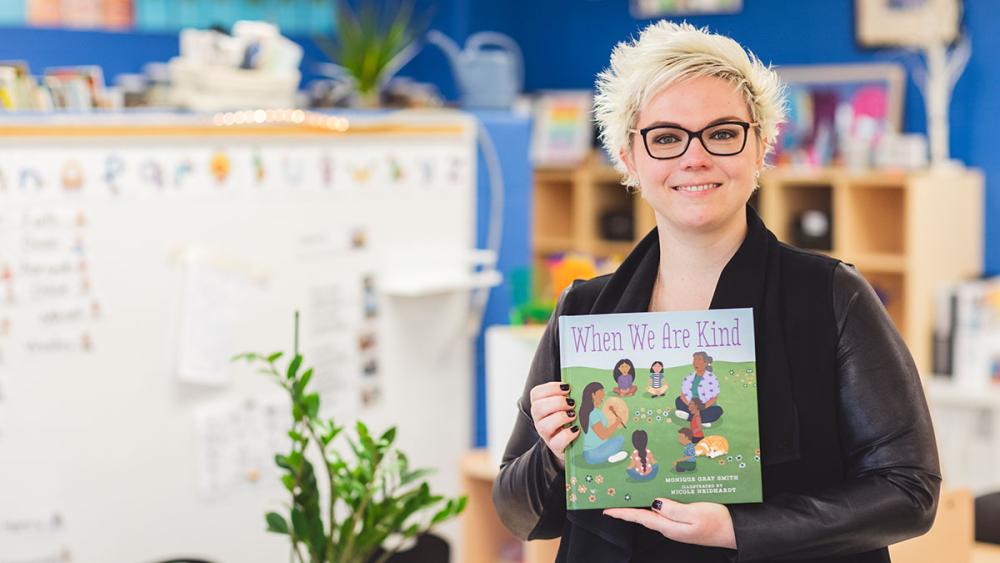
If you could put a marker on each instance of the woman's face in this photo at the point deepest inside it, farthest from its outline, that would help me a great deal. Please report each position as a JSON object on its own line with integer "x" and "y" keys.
{"x": 668, "y": 184}
{"x": 657, "y": 368}
{"x": 699, "y": 363}
{"x": 598, "y": 397}
{"x": 623, "y": 368}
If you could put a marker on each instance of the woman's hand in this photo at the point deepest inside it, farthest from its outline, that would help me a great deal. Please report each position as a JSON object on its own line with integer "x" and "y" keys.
{"x": 551, "y": 409}
{"x": 699, "y": 523}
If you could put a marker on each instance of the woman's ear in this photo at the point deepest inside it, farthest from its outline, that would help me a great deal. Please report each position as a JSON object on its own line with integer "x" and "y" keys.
{"x": 626, "y": 157}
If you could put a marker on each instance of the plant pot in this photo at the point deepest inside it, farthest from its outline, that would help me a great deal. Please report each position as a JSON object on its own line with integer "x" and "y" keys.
{"x": 428, "y": 549}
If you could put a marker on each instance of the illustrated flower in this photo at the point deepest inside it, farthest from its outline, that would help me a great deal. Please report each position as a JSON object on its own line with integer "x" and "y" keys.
{"x": 729, "y": 458}
{"x": 659, "y": 411}
{"x": 590, "y": 478}
{"x": 757, "y": 451}
{"x": 739, "y": 458}
{"x": 581, "y": 489}
{"x": 569, "y": 487}
{"x": 749, "y": 370}
{"x": 599, "y": 479}
{"x": 742, "y": 465}
{"x": 658, "y": 418}
{"x": 572, "y": 498}
{"x": 628, "y": 497}
{"x": 649, "y": 419}
{"x": 611, "y": 492}
{"x": 649, "y": 412}
{"x": 722, "y": 462}
{"x": 572, "y": 480}
{"x": 637, "y": 413}
{"x": 635, "y": 419}
{"x": 591, "y": 498}
{"x": 732, "y": 372}
{"x": 756, "y": 458}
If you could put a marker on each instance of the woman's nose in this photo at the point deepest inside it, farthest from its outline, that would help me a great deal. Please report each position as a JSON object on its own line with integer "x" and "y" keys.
{"x": 696, "y": 156}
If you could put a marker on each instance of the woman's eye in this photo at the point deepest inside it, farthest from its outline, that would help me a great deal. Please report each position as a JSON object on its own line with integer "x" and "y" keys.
{"x": 723, "y": 135}
{"x": 665, "y": 139}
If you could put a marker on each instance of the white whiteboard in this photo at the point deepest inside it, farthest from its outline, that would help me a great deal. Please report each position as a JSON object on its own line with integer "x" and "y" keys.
{"x": 133, "y": 266}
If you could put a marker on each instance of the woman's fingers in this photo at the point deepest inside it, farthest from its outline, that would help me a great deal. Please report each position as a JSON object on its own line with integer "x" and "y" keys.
{"x": 551, "y": 424}
{"x": 562, "y": 439}
{"x": 548, "y": 389}
{"x": 551, "y": 410}
{"x": 543, "y": 408}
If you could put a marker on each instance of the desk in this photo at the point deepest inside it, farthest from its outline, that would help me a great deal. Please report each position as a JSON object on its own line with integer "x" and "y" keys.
{"x": 484, "y": 537}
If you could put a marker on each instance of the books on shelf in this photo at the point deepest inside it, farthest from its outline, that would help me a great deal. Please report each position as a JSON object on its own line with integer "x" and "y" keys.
{"x": 967, "y": 333}
{"x": 666, "y": 405}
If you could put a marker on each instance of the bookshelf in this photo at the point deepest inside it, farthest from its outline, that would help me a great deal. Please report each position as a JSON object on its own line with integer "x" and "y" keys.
{"x": 908, "y": 233}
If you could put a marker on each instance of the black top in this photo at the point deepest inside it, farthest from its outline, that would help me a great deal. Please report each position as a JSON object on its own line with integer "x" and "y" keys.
{"x": 848, "y": 454}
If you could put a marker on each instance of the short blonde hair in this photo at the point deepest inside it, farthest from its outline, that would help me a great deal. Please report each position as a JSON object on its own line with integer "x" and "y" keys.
{"x": 666, "y": 53}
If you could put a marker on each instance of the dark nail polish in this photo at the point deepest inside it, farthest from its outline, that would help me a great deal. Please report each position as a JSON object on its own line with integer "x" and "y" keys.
{"x": 657, "y": 504}
{"x": 571, "y": 413}
{"x": 570, "y": 401}
{"x": 564, "y": 386}
{"x": 574, "y": 429}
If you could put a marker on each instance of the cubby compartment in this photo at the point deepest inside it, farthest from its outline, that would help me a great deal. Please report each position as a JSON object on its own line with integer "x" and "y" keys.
{"x": 553, "y": 220}
{"x": 877, "y": 220}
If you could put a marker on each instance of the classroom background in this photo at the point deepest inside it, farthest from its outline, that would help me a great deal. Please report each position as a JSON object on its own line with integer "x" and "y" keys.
{"x": 392, "y": 194}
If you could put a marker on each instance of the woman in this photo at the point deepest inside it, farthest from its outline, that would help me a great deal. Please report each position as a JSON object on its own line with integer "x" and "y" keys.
{"x": 624, "y": 374}
{"x": 599, "y": 440}
{"x": 700, "y": 384}
{"x": 849, "y": 462}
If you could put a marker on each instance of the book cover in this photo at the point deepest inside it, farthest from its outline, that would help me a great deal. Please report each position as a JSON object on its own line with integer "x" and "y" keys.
{"x": 667, "y": 407}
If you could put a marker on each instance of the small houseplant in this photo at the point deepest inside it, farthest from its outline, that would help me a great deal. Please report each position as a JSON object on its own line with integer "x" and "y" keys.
{"x": 372, "y": 43}
{"x": 373, "y": 496}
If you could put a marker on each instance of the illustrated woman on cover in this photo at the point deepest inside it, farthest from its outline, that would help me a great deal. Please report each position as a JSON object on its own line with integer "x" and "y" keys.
{"x": 848, "y": 459}
{"x": 599, "y": 439}
{"x": 703, "y": 385}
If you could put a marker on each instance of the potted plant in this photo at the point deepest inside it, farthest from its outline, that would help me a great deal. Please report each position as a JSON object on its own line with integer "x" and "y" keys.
{"x": 376, "y": 501}
{"x": 372, "y": 44}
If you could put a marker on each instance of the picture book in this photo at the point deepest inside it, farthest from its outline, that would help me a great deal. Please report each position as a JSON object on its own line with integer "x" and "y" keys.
{"x": 666, "y": 404}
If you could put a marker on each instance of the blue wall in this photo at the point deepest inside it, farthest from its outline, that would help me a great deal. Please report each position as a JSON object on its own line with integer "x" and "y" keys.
{"x": 566, "y": 42}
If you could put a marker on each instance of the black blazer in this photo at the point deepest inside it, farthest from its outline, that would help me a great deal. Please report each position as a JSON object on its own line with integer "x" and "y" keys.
{"x": 848, "y": 454}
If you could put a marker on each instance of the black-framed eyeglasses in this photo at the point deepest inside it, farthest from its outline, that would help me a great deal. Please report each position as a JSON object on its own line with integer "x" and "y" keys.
{"x": 725, "y": 138}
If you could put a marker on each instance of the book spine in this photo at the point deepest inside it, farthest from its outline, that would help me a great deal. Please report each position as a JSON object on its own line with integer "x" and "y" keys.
{"x": 570, "y": 468}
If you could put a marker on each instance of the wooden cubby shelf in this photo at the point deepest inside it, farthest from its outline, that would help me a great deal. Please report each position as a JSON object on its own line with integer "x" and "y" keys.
{"x": 907, "y": 233}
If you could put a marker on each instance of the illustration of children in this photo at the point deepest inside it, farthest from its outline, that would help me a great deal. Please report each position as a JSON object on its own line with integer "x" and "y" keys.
{"x": 624, "y": 374}
{"x": 599, "y": 440}
{"x": 657, "y": 386}
{"x": 687, "y": 461}
{"x": 695, "y": 407}
{"x": 643, "y": 466}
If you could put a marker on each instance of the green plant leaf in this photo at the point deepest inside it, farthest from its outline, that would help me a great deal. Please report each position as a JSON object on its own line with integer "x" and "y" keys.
{"x": 289, "y": 482}
{"x": 293, "y": 366}
{"x": 275, "y": 357}
{"x": 276, "y": 523}
{"x": 311, "y": 402}
{"x": 246, "y": 356}
{"x": 388, "y": 436}
{"x": 300, "y": 385}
